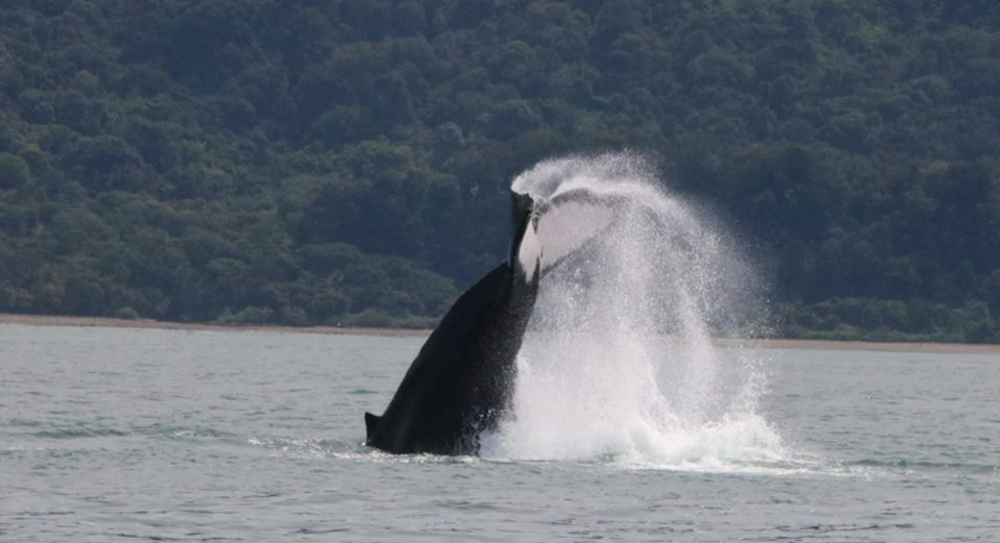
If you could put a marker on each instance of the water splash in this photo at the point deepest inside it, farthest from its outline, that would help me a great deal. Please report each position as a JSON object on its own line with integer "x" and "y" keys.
{"x": 619, "y": 364}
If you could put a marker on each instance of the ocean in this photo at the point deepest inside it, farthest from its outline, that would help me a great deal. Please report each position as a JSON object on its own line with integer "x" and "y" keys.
{"x": 113, "y": 434}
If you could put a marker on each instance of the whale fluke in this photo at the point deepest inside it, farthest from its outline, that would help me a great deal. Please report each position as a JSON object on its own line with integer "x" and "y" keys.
{"x": 371, "y": 422}
{"x": 461, "y": 382}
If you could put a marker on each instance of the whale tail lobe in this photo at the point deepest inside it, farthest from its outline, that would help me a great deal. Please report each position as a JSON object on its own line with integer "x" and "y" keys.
{"x": 371, "y": 422}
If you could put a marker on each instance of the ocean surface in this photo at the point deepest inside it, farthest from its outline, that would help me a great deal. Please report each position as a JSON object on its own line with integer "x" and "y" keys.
{"x": 113, "y": 434}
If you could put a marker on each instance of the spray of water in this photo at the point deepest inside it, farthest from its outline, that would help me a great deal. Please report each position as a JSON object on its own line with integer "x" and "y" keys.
{"x": 619, "y": 363}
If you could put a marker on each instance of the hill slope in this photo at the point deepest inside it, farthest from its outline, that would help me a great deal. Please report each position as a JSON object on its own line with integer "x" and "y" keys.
{"x": 347, "y": 161}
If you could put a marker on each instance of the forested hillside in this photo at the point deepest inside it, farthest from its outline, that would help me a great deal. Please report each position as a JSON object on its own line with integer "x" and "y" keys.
{"x": 348, "y": 161}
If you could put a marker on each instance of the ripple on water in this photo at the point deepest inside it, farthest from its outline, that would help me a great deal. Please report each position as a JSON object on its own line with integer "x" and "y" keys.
{"x": 79, "y": 431}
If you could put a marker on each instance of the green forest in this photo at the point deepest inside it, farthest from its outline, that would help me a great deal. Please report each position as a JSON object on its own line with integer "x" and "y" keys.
{"x": 347, "y": 162}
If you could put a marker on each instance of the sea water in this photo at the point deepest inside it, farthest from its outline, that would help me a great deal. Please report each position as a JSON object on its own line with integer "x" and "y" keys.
{"x": 110, "y": 434}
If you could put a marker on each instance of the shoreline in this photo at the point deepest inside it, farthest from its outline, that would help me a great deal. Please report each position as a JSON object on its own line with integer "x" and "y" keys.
{"x": 107, "y": 322}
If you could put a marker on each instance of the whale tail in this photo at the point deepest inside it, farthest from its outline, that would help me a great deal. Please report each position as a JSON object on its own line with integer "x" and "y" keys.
{"x": 462, "y": 381}
{"x": 371, "y": 422}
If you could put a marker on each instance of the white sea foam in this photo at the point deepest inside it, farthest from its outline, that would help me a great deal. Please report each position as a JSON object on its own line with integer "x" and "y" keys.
{"x": 619, "y": 364}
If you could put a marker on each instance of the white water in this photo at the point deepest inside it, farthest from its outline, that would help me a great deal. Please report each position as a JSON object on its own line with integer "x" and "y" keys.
{"x": 619, "y": 363}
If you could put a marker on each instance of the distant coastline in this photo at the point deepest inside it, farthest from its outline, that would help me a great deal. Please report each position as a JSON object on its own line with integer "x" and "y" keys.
{"x": 55, "y": 320}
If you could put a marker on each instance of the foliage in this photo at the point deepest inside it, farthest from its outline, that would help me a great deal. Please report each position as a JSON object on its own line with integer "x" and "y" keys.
{"x": 347, "y": 161}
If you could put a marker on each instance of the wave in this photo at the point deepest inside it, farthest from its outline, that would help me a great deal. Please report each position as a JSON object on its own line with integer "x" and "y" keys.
{"x": 79, "y": 431}
{"x": 924, "y": 466}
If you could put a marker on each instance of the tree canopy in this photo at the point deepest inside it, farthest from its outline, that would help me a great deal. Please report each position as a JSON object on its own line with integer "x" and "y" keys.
{"x": 348, "y": 161}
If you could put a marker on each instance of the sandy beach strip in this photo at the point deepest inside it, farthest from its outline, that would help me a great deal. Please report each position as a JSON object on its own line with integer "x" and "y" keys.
{"x": 52, "y": 320}
{"x": 827, "y": 345}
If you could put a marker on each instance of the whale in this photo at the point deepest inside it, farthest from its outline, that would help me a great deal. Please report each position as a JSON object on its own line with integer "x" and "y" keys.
{"x": 461, "y": 383}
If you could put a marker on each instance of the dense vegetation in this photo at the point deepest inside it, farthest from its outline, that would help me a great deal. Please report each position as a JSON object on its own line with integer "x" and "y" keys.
{"x": 347, "y": 161}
